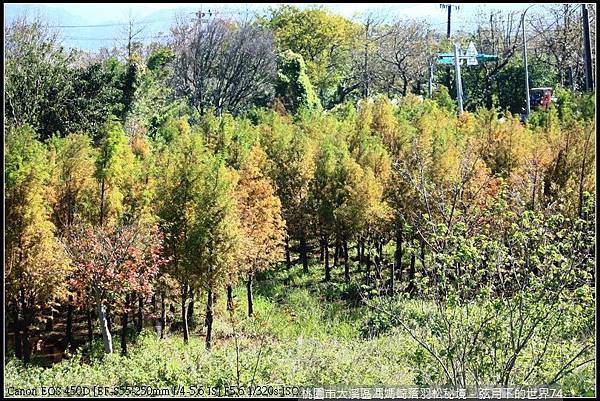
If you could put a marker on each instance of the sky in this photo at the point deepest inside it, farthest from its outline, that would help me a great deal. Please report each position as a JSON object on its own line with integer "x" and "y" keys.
{"x": 111, "y": 11}
{"x": 103, "y": 13}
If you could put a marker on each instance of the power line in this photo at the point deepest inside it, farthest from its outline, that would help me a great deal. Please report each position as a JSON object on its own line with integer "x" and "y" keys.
{"x": 213, "y": 13}
{"x": 107, "y": 25}
{"x": 115, "y": 38}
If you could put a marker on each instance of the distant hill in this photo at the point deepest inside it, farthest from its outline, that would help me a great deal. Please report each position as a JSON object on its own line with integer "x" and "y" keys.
{"x": 53, "y": 15}
{"x": 92, "y": 35}
{"x": 105, "y": 24}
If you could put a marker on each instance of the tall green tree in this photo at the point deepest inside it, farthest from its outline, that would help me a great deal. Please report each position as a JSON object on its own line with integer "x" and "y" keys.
{"x": 260, "y": 218}
{"x": 36, "y": 266}
{"x": 324, "y": 40}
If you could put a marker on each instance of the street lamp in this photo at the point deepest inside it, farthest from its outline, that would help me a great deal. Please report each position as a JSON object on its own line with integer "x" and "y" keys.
{"x": 525, "y": 60}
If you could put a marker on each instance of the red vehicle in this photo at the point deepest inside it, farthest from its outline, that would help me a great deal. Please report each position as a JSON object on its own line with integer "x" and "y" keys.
{"x": 540, "y": 98}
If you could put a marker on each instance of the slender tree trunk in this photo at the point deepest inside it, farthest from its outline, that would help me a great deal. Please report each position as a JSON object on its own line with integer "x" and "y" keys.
{"x": 124, "y": 323}
{"x": 108, "y": 319}
{"x": 18, "y": 329}
{"x": 229, "y": 298}
{"x": 582, "y": 177}
{"x": 102, "y": 201}
{"x": 398, "y": 253}
{"x": 24, "y": 325}
{"x": 346, "y": 262}
{"x": 336, "y": 254}
{"x": 140, "y": 317}
{"x": 69, "y": 326}
{"x": 322, "y": 250}
{"x": 154, "y": 311}
{"x": 209, "y": 318}
{"x": 533, "y": 192}
{"x": 411, "y": 273}
{"x": 288, "y": 260}
{"x": 484, "y": 268}
{"x": 368, "y": 262}
{"x": 304, "y": 253}
{"x": 50, "y": 321}
{"x": 423, "y": 253}
{"x": 379, "y": 259}
{"x": 190, "y": 310}
{"x": 361, "y": 254}
{"x": 27, "y": 320}
{"x": 163, "y": 315}
{"x": 103, "y": 319}
{"x": 250, "y": 299}
{"x": 184, "y": 315}
{"x": 392, "y": 278}
{"x": 90, "y": 326}
{"x": 327, "y": 269}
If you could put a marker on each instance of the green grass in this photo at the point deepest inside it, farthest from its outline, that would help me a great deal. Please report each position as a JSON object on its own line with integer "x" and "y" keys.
{"x": 307, "y": 332}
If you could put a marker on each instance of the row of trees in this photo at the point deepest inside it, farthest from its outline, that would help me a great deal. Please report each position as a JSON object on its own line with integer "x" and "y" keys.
{"x": 144, "y": 181}
{"x": 198, "y": 208}
{"x": 324, "y": 59}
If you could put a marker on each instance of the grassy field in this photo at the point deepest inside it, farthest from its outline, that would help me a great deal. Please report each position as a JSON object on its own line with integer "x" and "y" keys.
{"x": 306, "y": 332}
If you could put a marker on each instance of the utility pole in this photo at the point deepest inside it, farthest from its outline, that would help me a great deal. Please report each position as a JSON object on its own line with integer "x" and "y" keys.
{"x": 587, "y": 49}
{"x": 525, "y": 61}
{"x": 202, "y": 14}
{"x": 449, "y": 20}
{"x": 449, "y": 7}
{"x": 430, "y": 77}
{"x": 459, "y": 93}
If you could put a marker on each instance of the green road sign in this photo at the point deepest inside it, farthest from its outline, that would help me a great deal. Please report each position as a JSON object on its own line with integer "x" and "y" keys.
{"x": 448, "y": 58}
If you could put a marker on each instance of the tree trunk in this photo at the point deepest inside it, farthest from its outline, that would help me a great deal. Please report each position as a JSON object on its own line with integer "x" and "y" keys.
{"x": 103, "y": 319}
{"x": 27, "y": 320}
{"x": 90, "y": 326}
{"x": 190, "y": 310}
{"x": 124, "y": 323}
{"x": 154, "y": 311}
{"x": 368, "y": 273}
{"x": 379, "y": 259}
{"x": 582, "y": 177}
{"x": 361, "y": 254}
{"x": 303, "y": 253}
{"x": 229, "y": 298}
{"x": 322, "y": 251}
{"x": 327, "y": 269}
{"x": 398, "y": 253}
{"x": 392, "y": 277}
{"x": 18, "y": 338}
{"x": 411, "y": 274}
{"x": 184, "y": 313}
{"x": 250, "y": 299}
{"x": 422, "y": 253}
{"x": 163, "y": 315}
{"x": 336, "y": 254}
{"x": 346, "y": 262}
{"x": 108, "y": 319}
{"x": 50, "y": 321}
{"x": 533, "y": 192}
{"x": 102, "y": 201}
{"x": 69, "y": 326}
{"x": 288, "y": 260}
{"x": 209, "y": 318}
{"x": 140, "y": 318}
